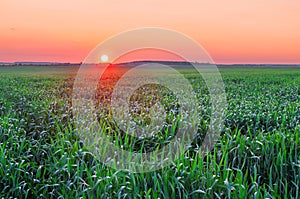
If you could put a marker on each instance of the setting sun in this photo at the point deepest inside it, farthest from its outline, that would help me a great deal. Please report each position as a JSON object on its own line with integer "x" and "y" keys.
{"x": 231, "y": 32}
{"x": 104, "y": 58}
{"x": 149, "y": 99}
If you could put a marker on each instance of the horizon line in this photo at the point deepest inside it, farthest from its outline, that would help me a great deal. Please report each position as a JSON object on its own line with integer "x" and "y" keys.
{"x": 78, "y": 63}
{"x": 175, "y": 61}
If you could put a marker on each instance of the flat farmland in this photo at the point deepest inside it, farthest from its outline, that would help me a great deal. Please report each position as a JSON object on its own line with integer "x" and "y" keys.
{"x": 257, "y": 155}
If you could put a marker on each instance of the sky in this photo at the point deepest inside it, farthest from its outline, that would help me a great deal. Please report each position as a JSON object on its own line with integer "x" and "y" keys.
{"x": 232, "y": 31}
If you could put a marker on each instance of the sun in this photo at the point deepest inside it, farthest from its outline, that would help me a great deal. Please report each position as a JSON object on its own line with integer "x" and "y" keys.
{"x": 104, "y": 58}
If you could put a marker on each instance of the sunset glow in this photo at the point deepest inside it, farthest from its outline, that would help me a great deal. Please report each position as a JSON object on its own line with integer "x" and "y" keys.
{"x": 148, "y": 54}
{"x": 104, "y": 58}
{"x": 231, "y": 31}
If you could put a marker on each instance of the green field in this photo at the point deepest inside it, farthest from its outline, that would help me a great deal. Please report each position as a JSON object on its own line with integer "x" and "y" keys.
{"x": 41, "y": 155}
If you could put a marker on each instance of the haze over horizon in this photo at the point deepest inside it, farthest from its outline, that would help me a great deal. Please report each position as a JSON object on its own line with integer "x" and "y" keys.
{"x": 252, "y": 32}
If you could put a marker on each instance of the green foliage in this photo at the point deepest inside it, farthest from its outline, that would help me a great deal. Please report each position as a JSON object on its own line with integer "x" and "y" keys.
{"x": 41, "y": 155}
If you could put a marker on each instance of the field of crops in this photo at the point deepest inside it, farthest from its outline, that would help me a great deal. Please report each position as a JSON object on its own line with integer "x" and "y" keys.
{"x": 42, "y": 156}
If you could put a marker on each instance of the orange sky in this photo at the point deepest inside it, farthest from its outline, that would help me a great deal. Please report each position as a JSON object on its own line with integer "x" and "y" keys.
{"x": 232, "y": 31}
